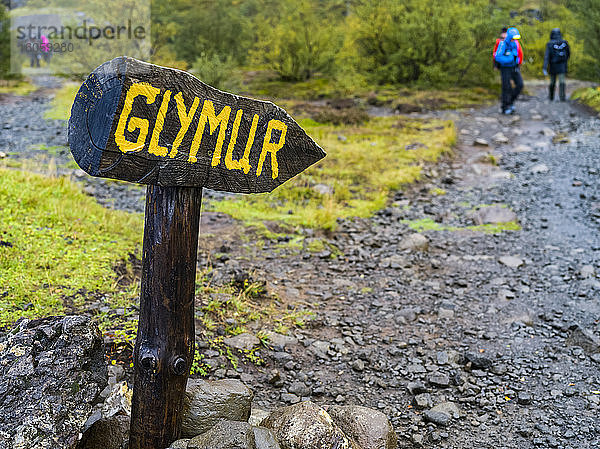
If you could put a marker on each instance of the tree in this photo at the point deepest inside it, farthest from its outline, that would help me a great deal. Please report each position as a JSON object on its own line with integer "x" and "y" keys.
{"x": 431, "y": 41}
{"x": 300, "y": 38}
{"x": 589, "y": 32}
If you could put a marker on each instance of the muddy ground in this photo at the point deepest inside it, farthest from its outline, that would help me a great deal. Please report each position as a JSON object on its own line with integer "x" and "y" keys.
{"x": 465, "y": 339}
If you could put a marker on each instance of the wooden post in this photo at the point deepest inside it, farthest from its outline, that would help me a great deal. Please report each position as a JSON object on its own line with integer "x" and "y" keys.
{"x": 164, "y": 347}
{"x": 154, "y": 125}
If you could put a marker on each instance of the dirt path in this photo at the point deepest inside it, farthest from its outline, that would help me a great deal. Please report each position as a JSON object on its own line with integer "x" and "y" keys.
{"x": 506, "y": 347}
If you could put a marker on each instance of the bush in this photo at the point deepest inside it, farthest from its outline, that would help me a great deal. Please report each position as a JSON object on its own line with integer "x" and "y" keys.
{"x": 219, "y": 72}
{"x": 588, "y": 96}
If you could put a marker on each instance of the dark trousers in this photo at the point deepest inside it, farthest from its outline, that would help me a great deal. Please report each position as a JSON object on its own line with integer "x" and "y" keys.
{"x": 561, "y": 85}
{"x": 510, "y": 93}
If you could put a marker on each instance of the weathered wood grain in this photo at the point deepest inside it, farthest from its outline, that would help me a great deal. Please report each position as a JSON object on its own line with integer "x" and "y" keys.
{"x": 164, "y": 347}
{"x": 154, "y": 125}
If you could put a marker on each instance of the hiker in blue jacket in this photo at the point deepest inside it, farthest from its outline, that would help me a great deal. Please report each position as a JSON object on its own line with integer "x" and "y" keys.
{"x": 507, "y": 58}
{"x": 555, "y": 59}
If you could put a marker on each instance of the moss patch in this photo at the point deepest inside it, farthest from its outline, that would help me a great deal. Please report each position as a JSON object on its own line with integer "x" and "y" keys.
{"x": 56, "y": 244}
{"x": 427, "y": 224}
{"x": 15, "y": 87}
{"x": 363, "y": 165}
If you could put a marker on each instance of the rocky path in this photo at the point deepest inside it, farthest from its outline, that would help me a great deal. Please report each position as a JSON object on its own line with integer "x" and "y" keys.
{"x": 463, "y": 338}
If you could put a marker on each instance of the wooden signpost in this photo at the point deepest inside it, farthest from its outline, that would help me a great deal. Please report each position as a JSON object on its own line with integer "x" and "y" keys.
{"x": 163, "y": 127}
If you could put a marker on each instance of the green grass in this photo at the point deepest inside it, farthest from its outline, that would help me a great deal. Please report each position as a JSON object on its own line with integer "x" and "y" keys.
{"x": 60, "y": 107}
{"x": 16, "y": 87}
{"x": 589, "y": 96}
{"x": 58, "y": 243}
{"x": 427, "y": 224}
{"x": 266, "y": 84}
{"x": 360, "y": 171}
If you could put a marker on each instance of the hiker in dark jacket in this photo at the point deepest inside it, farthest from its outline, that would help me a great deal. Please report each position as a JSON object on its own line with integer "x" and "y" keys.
{"x": 555, "y": 62}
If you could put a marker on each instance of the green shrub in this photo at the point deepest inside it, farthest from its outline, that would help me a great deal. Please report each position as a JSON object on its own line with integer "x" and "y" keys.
{"x": 219, "y": 72}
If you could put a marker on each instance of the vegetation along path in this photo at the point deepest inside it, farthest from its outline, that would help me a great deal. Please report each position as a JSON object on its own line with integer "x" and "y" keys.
{"x": 468, "y": 310}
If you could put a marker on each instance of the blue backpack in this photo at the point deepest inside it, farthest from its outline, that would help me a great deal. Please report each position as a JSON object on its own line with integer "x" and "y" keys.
{"x": 506, "y": 55}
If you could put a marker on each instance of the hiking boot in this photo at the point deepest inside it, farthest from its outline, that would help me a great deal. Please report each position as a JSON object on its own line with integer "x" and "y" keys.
{"x": 562, "y": 88}
{"x": 509, "y": 110}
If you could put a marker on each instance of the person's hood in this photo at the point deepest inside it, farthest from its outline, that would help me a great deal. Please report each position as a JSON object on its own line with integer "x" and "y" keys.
{"x": 555, "y": 35}
{"x": 513, "y": 33}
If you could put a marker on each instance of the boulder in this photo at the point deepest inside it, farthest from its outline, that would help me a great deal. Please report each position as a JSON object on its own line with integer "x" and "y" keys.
{"x": 207, "y": 402}
{"x": 306, "y": 426}
{"x": 369, "y": 428}
{"x": 106, "y": 433}
{"x": 52, "y": 371}
{"x": 225, "y": 435}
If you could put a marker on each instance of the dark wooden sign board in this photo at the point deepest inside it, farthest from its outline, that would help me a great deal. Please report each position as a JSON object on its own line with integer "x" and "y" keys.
{"x": 163, "y": 127}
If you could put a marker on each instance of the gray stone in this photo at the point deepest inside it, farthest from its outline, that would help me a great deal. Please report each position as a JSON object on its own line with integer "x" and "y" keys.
{"x": 442, "y": 414}
{"x": 446, "y": 313}
{"x": 450, "y": 408}
{"x": 521, "y": 149}
{"x": 264, "y": 438}
{"x": 585, "y": 339}
{"x": 547, "y": 132}
{"x": 179, "y": 444}
{"x": 299, "y": 388}
{"x": 319, "y": 348}
{"x": 290, "y": 398}
{"x": 358, "y": 365}
{"x": 225, "y": 435}
{"x": 511, "y": 261}
{"x": 369, "y": 428}
{"x": 51, "y": 372}
{"x": 416, "y": 387}
{"x": 587, "y": 271}
{"x": 307, "y": 426}
{"x": 438, "y": 418}
{"x": 439, "y": 380}
{"x": 539, "y": 169}
{"x": 414, "y": 242}
{"x": 257, "y": 415}
{"x": 478, "y": 361}
{"x": 499, "y": 138}
{"x": 422, "y": 401}
{"x": 281, "y": 340}
{"x": 119, "y": 401}
{"x": 442, "y": 358}
{"x": 207, "y": 402}
{"x": 242, "y": 342}
{"x": 494, "y": 215}
{"x": 106, "y": 433}
{"x": 524, "y": 398}
{"x": 479, "y": 142}
{"x": 323, "y": 189}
